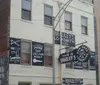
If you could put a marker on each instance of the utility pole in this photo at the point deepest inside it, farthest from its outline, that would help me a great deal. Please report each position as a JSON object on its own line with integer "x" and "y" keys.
{"x": 53, "y": 33}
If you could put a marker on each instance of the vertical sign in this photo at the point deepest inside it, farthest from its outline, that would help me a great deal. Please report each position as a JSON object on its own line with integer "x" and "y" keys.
{"x": 92, "y": 61}
{"x": 4, "y": 70}
{"x": 37, "y": 54}
{"x": 57, "y": 37}
{"x": 14, "y": 51}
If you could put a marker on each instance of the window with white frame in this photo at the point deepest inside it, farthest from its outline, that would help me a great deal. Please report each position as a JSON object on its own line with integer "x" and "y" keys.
{"x": 48, "y": 55}
{"x": 26, "y": 9}
{"x": 84, "y": 25}
{"x": 48, "y": 13}
{"x": 25, "y": 52}
{"x": 68, "y": 21}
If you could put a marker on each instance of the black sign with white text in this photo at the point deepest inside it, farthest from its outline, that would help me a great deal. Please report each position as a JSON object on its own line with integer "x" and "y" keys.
{"x": 72, "y": 81}
{"x": 68, "y": 57}
{"x": 37, "y": 54}
{"x": 67, "y": 39}
{"x": 15, "y": 45}
{"x": 83, "y": 53}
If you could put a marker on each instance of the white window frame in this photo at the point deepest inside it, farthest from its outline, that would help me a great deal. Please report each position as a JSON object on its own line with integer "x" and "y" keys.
{"x": 49, "y": 16}
{"x": 29, "y": 41}
{"x": 68, "y": 21}
{"x": 27, "y": 10}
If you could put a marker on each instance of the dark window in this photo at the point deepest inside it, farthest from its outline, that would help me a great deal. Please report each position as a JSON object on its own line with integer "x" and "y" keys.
{"x": 24, "y": 83}
{"x": 68, "y": 21}
{"x": 26, "y": 9}
{"x": 48, "y": 12}
{"x": 84, "y": 25}
{"x": 48, "y": 55}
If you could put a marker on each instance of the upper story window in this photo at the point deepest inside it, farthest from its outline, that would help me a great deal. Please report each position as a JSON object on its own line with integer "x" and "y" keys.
{"x": 25, "y": 52}
{"x": 48, "y": 13}
{"x": 26, "y": 9}
{"x": 68, "y": 21}
{"x": 84, "y": 25}
{"x": 48, "y": 55}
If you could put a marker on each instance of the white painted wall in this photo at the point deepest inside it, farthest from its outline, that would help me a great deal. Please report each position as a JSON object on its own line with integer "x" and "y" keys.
{"x": 35, "y": 30}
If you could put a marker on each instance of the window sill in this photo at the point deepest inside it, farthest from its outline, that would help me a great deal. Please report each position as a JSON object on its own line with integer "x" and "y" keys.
{"x": 85, "y": 34}
{"x": 26, "y": 66}
{"x": 48, "y": 26}
{"x": 70, "y": 31}
{"x": 49, "y": 68}
{"x": 27, "y": 21}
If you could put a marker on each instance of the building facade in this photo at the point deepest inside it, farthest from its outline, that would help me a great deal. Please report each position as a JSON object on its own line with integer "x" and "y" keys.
{"x": 31, "y": 42}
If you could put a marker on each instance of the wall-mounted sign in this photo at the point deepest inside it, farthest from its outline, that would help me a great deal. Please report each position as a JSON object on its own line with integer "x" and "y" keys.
{"x": 83, "y": 53}
{"x": 68, "y": 57}
{"x": 72, "y": 81}
{"x": 37, "y": 54}
{"x": 14, "y": 50}
{"x": 92, "y": 61}
{"x": 67, "y": 39}
{"x": 57, "y": 37}
{"x": 4, "y": 70}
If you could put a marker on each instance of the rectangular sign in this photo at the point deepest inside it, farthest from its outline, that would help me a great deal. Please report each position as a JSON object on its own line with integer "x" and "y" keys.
{"x": 14, "y": 50}
{"x": 92, "y": 61}
{"x": 67, "y": 39}
{"x": 72, "y": 81}
{"x": 57, "y": 37}
{"x": 37, "y": 54}
{"x": 4, "y": 70}
{"x": 68, "y": 57}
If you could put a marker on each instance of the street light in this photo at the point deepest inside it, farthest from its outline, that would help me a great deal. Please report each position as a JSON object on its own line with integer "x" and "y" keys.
{"x": 53, "y": 33}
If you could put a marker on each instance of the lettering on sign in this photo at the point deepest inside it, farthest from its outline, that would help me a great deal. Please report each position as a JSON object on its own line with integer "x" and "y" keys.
{"x": 83, "y": 53}
{"x": 72, "y": 81}
{"x": 37, "y": 54}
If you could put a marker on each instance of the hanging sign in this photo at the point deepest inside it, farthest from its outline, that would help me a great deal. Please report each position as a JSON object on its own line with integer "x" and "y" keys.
{"x": 72, "y": 81}
{"x": 37, "y": 54}
{"x": 67, "y": 39}
{"x": 14, "y": 50}
{"x": 82, "y": 54}
{"x": 92, "y": 61}
{"x": 68, "y": 57}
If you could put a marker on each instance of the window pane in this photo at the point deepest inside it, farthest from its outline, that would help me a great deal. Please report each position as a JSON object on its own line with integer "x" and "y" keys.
{"x": 68, "y": 16}
{"x": 48, "y": 50}
{"x": 47, "y": 20}
{"x": 48, "y": 61}
{"x": 68, "y": 25}
{"x": 48, "y": 55}
{"x": 26, "y": 15}
{"x": 84, "y": 21}
{"x": 26, "y": 4}
{"x": 84, "y": 30}
{"x": 48, "y": 10}
{"x": 26, "y": 47}
{"x": 25, "y": 58}
{"x": 25, "y": 52}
